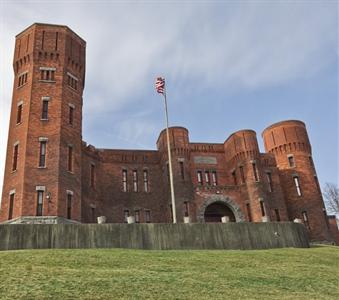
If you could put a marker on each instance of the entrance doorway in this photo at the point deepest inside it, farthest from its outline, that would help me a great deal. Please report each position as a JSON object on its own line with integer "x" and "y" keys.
{"x": 215, "y": 211}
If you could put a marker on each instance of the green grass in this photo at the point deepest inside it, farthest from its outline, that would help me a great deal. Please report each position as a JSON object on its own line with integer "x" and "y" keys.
{"x": 136, "y": 274}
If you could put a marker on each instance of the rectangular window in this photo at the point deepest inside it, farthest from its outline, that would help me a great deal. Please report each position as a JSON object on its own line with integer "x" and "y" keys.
{"x": 199, "y": 174}
{"x": 19, "y": 114}
{"x": 147, "y": 216}
{"x": 137, "y": 216}
{"x": 126, "y": 215}
{"x": 93, "y": 214}
{"x": 11, "y": 206}
{"x": 70, "y": 159}
{"x": 297, "y": 185}
{"x": 255, "y": 171}
{"x": 135, "y": 180}
{"x": 207, "y": 177}
{"x": 291, "y": 161}
{"x": 44, "y": 113}
{"x": 71, "y": 115}
{"x": 40, "y": 198}
{"x": 214, "y": 178}
{"x": 181, "y": 163}
{"x": 124, "y": 180}
{"x": 22, "y": 79}
{"x": 47, "y": 74}
{"x": 186, "y": 207}
{"x": 277, "y": 214}
{"x": 262, "y": 208}
{"x": 15, "y": 157}
{"x": 249, "y": 213}
{"x": 69, "y": 206}
{"x": 241, "y": 168}
{"x": 270, "y": 183}
{"x": 234, "y": 176}
{"x": 92, "y": 175}
{"x": 305, "y": 219}
{"x": 72, "y": 81}
{"x": 146, "y": 181}
{"x": 42, "y": 156}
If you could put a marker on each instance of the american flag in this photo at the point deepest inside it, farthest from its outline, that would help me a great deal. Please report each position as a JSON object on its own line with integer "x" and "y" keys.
{"x": 160, "y": 85}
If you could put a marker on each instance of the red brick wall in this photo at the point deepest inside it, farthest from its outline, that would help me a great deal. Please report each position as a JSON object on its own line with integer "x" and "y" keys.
{"x": 60, "y": 48}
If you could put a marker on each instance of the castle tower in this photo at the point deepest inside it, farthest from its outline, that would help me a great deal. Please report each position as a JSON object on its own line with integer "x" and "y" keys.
{"x": 243, "y": 156}
{"x": 288, "y": 141}
{"x": 43, "y": 162}
{"x": 183, "y": 187}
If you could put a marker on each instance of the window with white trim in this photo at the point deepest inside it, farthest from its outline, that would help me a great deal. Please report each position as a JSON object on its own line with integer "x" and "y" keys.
{"x": 297, "y": 185}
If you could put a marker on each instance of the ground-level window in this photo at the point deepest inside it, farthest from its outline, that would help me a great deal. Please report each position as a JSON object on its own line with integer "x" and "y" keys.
{"x": 305, "y": 219}
{"x": 69, "y": 205}
{"x": 262, "y": 208}
{"x": 249, "y": 213}
{"x": 40, "y": 198}
{"x": 126, "y": 215}
{"x": 137, "y": 216}
{"x": 186, "y": 209}
{"x": 11, "y": 206}
{"x": 277, "y": 214}
{"x": 147, "y": 216}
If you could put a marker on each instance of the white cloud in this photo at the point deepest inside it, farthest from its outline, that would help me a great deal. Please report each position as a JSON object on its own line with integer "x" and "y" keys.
{"x": 226, "y": 46}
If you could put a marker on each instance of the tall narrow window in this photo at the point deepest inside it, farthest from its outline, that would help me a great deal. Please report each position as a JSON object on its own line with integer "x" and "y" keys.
{"x": 277, "y": 214}
{"x": 19, "y": 114}
{"x": 249, "y": 213}
{"x": 135, "y": 180}
{"x": 262, "y": 208}
{"x": 40, "y": 198}
{"x": 186, "y": 207}
{"x": 291, "y": 161}
{"x": 124, "y": 180}
{"x": 92, "y": 175}
{"x": 69, "y": 205}
{"x": 137, "y": 216}
{"x": 305, "y": 219}
{"x": 234, "y": 176}
{"x": 199, "y": 175}
{"x": 207, "y": 177}
{"x": 15, "y": 157}
{"x": 255, "y": 171}
{"x": 71, "y": 115}
{"x": 146, "y": 181}
{"x": 11, "y": 206}
{"x": 147, "y": 216}
{"x": 44, "y": 113}
{"x": 181, "y": 163}
{"x": 126, "y": 215}
{"x": 70, "y": 159}
{"x": 93, "y": 214}
{"x": 214, "y": 178}
{"x": 269, "y": 181}
{"x": 42, "y": 156}
{"x": 242, "y": 175}
{"x": 297, "y": 185}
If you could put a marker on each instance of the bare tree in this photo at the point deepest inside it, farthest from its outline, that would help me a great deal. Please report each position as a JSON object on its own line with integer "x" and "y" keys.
{"x": 331, "y": 195}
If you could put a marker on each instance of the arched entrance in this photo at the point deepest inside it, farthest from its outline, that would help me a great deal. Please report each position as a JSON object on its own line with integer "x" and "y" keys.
{"x": 219, "y": 205}
{"x": 215, "y": 211}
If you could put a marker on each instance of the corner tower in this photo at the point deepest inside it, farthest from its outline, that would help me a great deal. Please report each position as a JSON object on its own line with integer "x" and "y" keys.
{"x": 289, "y": 142}
{"x": 43, "y": 161}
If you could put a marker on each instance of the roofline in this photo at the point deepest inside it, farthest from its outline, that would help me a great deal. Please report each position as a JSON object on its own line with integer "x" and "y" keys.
{"x": 241, "y": 130}
{"x": 281, "y": 123}
{"x": 47, "y": 24}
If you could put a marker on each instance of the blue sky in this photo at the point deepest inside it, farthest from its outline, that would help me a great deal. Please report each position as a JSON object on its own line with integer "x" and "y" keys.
{"x": 229, "y": 65}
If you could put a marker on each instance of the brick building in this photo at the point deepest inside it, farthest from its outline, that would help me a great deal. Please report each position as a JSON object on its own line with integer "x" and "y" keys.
{"x": 52, "y": 175}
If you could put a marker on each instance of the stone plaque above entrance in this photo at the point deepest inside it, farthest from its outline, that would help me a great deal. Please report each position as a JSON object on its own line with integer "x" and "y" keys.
{"x": 206, "y": 160}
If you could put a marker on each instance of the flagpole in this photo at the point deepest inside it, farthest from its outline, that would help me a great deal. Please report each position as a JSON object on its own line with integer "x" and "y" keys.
{"x": 170, "y": 162}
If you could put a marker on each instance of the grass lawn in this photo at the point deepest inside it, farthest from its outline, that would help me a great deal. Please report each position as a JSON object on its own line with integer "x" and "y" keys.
{"x": 137, "y": 274}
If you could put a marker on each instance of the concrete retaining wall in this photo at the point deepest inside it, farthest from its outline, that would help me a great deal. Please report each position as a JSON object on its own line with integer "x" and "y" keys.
{"x": 153, "y": 236}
